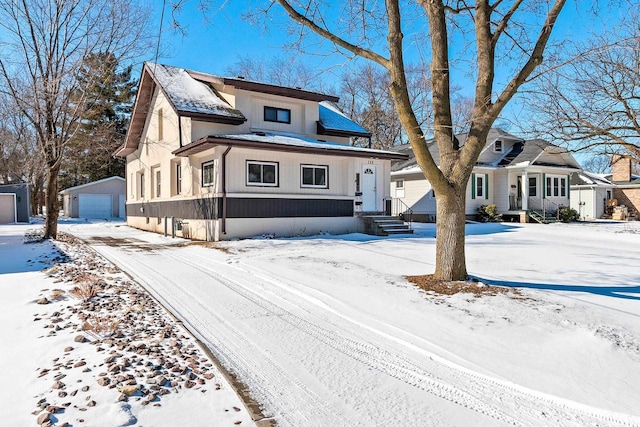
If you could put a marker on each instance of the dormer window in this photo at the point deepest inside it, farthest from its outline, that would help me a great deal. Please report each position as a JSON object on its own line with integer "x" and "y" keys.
{"x": 497, "y": 146}
{"x": 278, "y": 115}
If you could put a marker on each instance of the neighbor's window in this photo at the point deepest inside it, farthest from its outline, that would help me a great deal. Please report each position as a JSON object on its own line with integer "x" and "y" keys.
{"x": 178, "y": 178}
{"x": 556, "y": 186}
{"x": 400, "y": 183}
{"x": 533, "y": 186}
{"x": 262, "y": 173}
{"x": 314, "y": 176}
{"x": 497, "y": 146}
{"x": 142, "y": 185}
{"x": 278, "y": 115}
{"x": 207, "y": 174}
{"x": 480, "y": 185}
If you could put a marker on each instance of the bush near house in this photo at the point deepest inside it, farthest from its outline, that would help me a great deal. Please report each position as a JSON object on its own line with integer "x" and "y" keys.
{"x": 489, "y": 213}
{"x": 567, "y": 214}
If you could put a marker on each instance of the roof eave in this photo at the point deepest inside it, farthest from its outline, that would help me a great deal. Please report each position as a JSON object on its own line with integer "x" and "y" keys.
{"x": 209, "y": 142}
{"x": 213, "y": 118}
{"x": 340, "y": 132}
{"x": 278, "y": 90}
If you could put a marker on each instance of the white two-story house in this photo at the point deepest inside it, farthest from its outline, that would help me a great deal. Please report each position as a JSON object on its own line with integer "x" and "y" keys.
{"x": 214, "y": 158}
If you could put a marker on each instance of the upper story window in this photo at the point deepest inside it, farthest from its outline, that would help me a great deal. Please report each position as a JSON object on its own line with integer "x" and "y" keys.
{"x": 278, "y": 115}
{"x": 207, "y": 174}
{"x": 497, "y": 146}
{"x": 160, "y": 125}
{"x": 314, "y": 176}
{"x": 262, "y": 173}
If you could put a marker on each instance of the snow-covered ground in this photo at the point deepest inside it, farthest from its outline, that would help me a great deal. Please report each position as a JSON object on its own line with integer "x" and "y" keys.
{"x": 151, "y": 372}
{"x": 326, "y": 331}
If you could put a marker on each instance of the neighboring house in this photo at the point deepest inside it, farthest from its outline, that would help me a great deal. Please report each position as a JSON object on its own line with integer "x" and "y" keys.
{"x": 590, "y": 194}
{"x": 14, "y": 203}
{"x": 102, "y": 199}
{"x": 517, "y": 175}
{"x": 214, "y": 158}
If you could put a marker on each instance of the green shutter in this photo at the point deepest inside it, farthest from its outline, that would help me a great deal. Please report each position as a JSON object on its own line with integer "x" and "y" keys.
{"x": 486, "y": 186}
{"x": 544, "y": 185}
{"x": 473, "y": 185}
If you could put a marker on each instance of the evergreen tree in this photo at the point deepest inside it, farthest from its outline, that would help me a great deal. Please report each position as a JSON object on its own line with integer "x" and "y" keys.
{"x": 104, "y": 121}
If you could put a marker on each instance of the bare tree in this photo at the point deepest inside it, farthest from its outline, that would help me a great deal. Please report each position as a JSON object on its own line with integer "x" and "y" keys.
{"x": 593, "y": 103}
{"x": 39, "y": 63}
{"x": 492, "y": 31}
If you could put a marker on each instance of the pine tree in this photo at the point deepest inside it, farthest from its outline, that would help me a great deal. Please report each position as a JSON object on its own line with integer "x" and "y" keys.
{"x": 104, "y": 121}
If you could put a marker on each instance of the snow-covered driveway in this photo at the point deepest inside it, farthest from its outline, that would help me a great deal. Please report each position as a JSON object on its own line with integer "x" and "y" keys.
{"x": 326, "y": 332}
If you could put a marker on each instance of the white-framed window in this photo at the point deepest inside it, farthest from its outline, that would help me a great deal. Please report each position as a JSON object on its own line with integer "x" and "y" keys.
{"x": 278, "y": 115}
{"x": 142, "y": 185}
{"x": 160, "y": 125}
{"x": 556, "y": 186}
{"x": 479, "y": 186}
{"x": 178, "y": 178}
{"x": 263, "y": 174}
{"x": 533, "y": 186}
{"x": 158, "y": 183}
{"x": 314, "y": 176}
{"x": 497, "y": 146}
{"x": 399, "y": 183}
{"x": 207, "y": 174}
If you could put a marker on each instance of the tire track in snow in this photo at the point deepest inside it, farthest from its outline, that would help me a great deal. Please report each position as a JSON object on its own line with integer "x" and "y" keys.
{"x": 537, "y": 407}
{"x": 235, "y": 351}
{"x": 373, "y": 356}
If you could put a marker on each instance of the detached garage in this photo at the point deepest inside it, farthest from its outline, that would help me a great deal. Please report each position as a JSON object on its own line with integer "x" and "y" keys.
{"x": 14, "y": 203}
{"x": 101, "y": 199}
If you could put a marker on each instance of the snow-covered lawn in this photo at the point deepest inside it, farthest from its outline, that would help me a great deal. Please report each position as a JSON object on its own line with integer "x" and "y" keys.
{"x": 326, "y": 331}
{"x": 117, "y": 359}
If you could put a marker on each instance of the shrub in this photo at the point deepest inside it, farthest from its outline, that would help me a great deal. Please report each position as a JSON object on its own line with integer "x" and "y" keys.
{"x": 567, "y": 214}
{"x": 85, "y": 291}
{"x": 489, "y": 213}
{"x": 104, "y": 326}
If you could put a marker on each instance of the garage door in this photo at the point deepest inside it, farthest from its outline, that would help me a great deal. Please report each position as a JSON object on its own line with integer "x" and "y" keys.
{"x": 95, "y": 206}
{"x": 7, "y": 208}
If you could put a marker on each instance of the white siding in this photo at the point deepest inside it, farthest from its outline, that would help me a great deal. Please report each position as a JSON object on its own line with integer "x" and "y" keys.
{"x": 501, "y": 190}
{"x": 417, "y": 194}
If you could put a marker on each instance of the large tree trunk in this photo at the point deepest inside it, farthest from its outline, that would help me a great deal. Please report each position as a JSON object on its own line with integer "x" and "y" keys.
{"x": 450, "y": 223}
{"x": 53, "y": 209}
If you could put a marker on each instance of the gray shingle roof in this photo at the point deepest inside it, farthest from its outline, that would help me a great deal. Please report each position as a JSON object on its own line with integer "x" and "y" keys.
{"x": 522, "y": 151}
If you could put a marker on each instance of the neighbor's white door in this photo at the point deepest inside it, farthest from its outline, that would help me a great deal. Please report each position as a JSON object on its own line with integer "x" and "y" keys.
{"x": 369, "y": 193}
{"x": 121, "y": 205}
{"x": 95, "y": 206}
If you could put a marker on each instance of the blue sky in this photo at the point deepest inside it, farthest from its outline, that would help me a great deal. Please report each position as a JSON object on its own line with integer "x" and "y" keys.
{"x": 213, "y": 45}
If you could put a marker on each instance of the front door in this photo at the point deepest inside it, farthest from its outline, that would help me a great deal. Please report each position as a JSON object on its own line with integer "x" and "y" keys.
{"x": 369, "y": 195}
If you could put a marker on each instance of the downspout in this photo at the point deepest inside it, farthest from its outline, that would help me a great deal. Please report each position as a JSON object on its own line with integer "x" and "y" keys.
{"x": 180, "y": 130}
{"x": 224, "y": 189}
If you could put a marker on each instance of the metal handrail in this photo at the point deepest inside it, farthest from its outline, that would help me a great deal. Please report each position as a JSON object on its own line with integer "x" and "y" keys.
{"x": 402, "y": 209}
